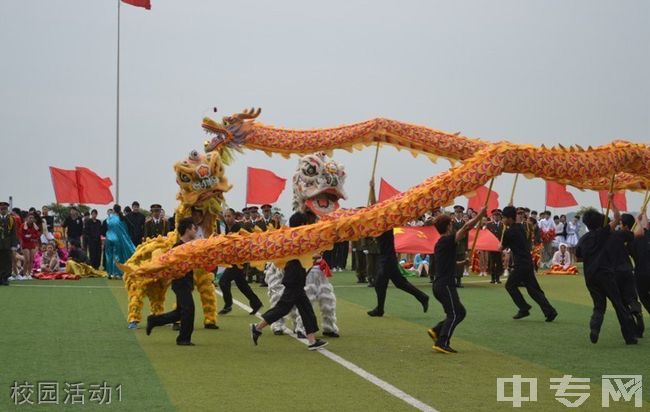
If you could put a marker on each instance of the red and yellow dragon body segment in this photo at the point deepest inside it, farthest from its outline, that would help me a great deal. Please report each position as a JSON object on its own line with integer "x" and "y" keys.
{"x": 481, "y": 161}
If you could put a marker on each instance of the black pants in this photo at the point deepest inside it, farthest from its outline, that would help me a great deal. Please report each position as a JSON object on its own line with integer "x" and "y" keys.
{"x": 388, "y": 270}
{"x": 95, "y": 253}
{"x": 361, "y": 264}
{"x": 627, "y": 285}
{"x": 602, "y": 287}
{"x": 495, "y": 265}
{"x": 454, "y": 310}
{"x": 184, "y": 312}
{"x": 237, "y": 275}
{"x": 293, "y": 296}
{"x": 5, "y": 265}
{"x": 328, "y": 255}
{"x": 525, "y": 275}
{"x": 643, "y": 288}
{"x": 372, "y": 267}
{"x": 341, "y": 254}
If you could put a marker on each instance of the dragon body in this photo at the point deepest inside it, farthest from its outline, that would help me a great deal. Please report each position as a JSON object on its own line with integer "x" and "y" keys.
{"x": 480, "y": 161}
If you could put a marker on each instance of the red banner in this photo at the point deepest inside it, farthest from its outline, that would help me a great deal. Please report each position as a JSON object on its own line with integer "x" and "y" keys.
{"x": 139, "y": 3}
{"x": 263, "y": 186}
{"x": 477, "y": 201}
{"x": 420, "y": 239}
{"x": 80, "y": 186}
{"x": 557, "y": 195}
{"x": 619, "y": 200}
{"x": 386, "y": 191}
{"x": 486, "y": 240}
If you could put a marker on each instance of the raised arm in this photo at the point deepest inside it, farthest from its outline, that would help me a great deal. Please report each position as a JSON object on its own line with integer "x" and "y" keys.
{"x": 470, "y": 224}
{"x": 617, "y": 213}
{"x": 641, "y": 224}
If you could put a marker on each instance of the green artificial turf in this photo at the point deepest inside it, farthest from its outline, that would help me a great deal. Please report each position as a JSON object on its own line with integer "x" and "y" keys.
{"x": 79, "y": 334}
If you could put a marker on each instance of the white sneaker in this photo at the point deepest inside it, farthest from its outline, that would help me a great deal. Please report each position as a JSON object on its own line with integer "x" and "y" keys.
{"x": 465, "y": 274}
{"x": 19, "y": 277}
{"x": 12, "y": 277}
{"x": 28, "y": 277}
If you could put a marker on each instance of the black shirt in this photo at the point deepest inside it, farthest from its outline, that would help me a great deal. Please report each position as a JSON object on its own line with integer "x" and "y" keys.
{"x": 49, "y": 221}
{"x": 445, "y": 253}
{"x": 516, "y": 240}
{"x": 235, "y": 228}
{"x": 93, "y": 230}
{"x": 187, "y": 281}
{"x": 294, "y": 275}
{"x": 75, "y": 227}
{"x": 136, "y": 226}
{"x": 591, "y": 249}
{"x": 617, "y": 251}
{"x": 641, "y": 254}
{"x": 387, "y": 243}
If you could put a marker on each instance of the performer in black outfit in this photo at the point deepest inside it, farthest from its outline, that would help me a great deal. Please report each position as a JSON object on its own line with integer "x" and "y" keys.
{"x": 523, "y": 271}
{"x": 93, "y": 239}
{"x": 620, "y": 244}
{"x": 495, "y": 259}
{"x": 641, "y": 255}
{"x": 600, "y": 276}
{"x": 236, "y": 274}
{"x": 293, "y": 295}
{"x": 444, "y": 284}
{"x": 388, "y": 268}
{"x": 182, "y": 288}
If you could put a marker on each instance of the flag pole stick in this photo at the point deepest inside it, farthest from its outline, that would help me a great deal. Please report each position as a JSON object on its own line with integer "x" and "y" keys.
{"x": 512, "y": 193}
{"x": 372, "y": 175}
{"x": 646, "y": 198}
{"x": 487, "y": 199}
{"x": 609, "y": 201}
{"x": 117, "y": 113}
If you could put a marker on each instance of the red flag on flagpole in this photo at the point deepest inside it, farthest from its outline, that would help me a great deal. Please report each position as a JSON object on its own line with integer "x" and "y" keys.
{"x": 619, "y": 200}
{"x": 477, "y": 201}
{"x": 263, "y": 186}
{"x": 92, "y": 188}
{"x": 139, "y": 3}
{"x": 486, "y": 240}
{"x": 386, "y": 191}
{"x": 419, "y": 239}
{"x": 557, "y": 195}
{"x": 65, "y": 185}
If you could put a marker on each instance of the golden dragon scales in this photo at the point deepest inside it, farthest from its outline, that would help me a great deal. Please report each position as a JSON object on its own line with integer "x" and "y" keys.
{"x": 480, "y": 161}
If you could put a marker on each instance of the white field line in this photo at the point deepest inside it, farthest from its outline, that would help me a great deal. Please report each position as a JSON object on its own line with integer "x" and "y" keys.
{"x": 398, "y": 393}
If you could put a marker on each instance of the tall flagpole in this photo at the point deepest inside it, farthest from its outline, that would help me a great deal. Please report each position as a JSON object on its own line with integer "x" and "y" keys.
{"x": 117, "y": 113}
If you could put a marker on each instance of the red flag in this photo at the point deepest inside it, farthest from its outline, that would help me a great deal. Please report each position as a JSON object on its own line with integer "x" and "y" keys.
{"x": 65, "y": 185}
{"x": 557, "y": 195}
{"x": 263, "y": 186}
{"x": 92, "y": 188}
{"x": 486, "y": 240}
{"x": 478, "y": 200}
{"x": 420, "y": 239}
{"x": 619, "y": 200}
{"x": 139, "y": 3}
{"x": 386, "y": 191}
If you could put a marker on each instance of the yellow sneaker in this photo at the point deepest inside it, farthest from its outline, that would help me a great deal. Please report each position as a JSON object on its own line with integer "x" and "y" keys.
{"x": 443, "y": 349}
{"x": 432, "y": 334}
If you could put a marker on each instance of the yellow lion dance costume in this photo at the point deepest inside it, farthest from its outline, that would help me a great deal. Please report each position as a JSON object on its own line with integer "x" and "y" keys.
{"x": 202, "y": 182}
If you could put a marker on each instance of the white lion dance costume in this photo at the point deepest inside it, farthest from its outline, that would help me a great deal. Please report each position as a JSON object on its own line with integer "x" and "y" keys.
{"x": 317, "y": 187}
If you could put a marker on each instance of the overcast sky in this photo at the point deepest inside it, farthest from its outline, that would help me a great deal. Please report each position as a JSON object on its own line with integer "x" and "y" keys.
{"x": 525, "y": 71}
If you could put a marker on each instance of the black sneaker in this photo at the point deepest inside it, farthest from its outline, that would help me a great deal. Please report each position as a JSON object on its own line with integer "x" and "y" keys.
{"x": 211, "y": 326}
{"x": 331, "y": 334}
{"x": 278, "y": 332}
{"x": 551, "y": 317}
{"x": 521, "y": 314}
{"x": 443, "y": 349}
{"x": 300, "y": 335}
{"x": 593, "y": 335}
{"x": 376, "y": 313}
{"x": 255, "y": 308}
{"x": 184, "y": 343}
{"x": 255, "y": 334}
{"x": 149, "y": 325}
{"x": 632, "y": 341}
{"x": 425, "y": 304}
{"x": 317, "y": 345}
{"x": 225, "y": 310}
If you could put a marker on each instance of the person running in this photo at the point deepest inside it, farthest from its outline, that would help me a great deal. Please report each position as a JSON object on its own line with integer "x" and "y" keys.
{"x": 444, "y": 284}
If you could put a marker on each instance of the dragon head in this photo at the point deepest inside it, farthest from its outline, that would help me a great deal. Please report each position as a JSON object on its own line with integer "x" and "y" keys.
{"x": 230, "y": 133}
{"x": 318, "y": 184}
